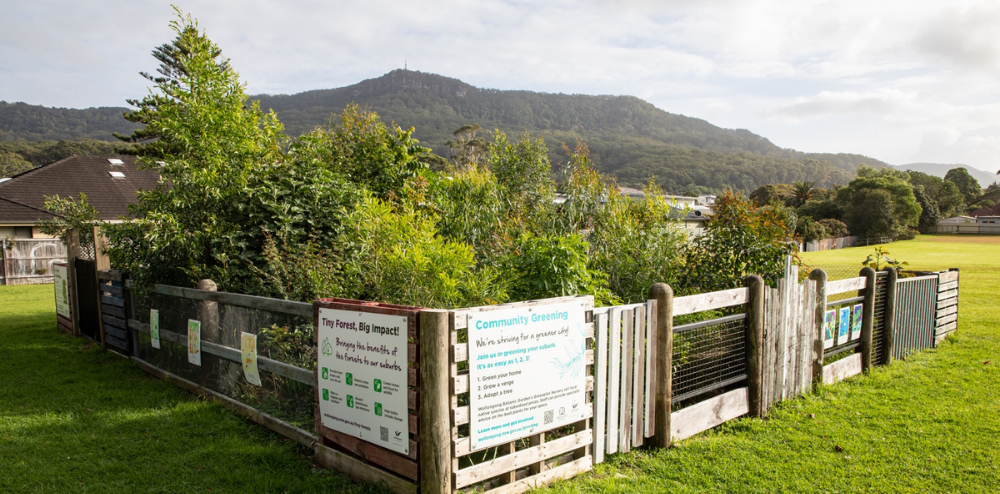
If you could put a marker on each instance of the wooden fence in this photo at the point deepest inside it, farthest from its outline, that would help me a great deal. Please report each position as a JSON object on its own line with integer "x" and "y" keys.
{"x": 29, "y": 261}
{"x": 656, "y": 372}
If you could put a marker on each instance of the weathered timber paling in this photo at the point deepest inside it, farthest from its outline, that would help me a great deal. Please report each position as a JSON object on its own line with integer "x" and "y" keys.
{"x": 755, "y": 344}
{"x": 819, "y": 322}
{"x": 664, "y": 296}
{"x": 435, "y": 426}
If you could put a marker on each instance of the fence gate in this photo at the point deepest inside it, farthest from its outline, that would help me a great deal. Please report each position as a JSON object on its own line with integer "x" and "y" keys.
{"x": 87, "y": 298}
{"x": 916, "y": 302}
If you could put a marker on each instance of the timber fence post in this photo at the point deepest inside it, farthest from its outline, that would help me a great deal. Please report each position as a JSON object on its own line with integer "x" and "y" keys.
{"x": 819, "y": 321}
{"x": 434, "y": 461}
{"x": 889, "y": 316}
{"x": 664, "y": 296}
{"x": 867, "y": 319}
{"x": 208, "y": 314}
{"x": 755, "y": 344}
{"x": 101, "y": 263}
{"x": 72, "y": 252}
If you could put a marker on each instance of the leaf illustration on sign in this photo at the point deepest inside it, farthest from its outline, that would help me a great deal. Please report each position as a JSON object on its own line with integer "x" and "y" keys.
{"x": 327, "y": 347}
{"x": 569, "y": 364}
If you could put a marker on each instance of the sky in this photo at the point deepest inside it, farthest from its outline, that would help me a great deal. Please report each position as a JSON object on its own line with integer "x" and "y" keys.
{"x": 899, "y": 81}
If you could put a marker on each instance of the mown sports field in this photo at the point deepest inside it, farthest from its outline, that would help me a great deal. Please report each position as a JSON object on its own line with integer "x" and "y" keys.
{"x": 74, "y": 419}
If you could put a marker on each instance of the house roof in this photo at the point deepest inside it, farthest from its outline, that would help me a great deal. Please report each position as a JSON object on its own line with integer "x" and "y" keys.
{"x": 15, "y": 212}
{"x": 24, "y": 194}
{"x": 982, "y": 212}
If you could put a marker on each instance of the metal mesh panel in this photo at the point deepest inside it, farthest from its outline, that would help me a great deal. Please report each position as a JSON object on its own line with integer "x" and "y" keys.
{"x": 281, "y": 337}
{"x": 878, "y": 329}
{"x": 708, "y": 356}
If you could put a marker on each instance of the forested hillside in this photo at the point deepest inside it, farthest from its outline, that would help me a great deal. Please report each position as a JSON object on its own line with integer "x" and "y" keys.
{"x": 628, "y": 137}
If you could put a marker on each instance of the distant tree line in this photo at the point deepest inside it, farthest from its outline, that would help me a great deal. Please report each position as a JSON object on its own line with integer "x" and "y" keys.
{"x": 878, "y": 203}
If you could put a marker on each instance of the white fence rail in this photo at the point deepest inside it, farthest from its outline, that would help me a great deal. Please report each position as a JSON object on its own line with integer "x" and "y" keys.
{"x": 28, "y": 261}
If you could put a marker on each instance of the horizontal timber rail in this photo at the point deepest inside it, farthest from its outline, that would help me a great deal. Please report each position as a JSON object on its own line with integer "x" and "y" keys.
{"x": 249, "y": 301}
{"x": 851, "y": 300}
{"x": 233, "y": 355}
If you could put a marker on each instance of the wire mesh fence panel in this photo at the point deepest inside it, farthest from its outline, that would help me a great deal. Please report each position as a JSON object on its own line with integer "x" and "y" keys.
{"x": 878, "y": 328}
{"x": 708, "y": 356}
{"x": 280, "y": 337}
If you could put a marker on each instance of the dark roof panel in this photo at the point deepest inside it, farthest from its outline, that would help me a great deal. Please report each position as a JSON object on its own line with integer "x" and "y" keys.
{"x": 69, "y": 177}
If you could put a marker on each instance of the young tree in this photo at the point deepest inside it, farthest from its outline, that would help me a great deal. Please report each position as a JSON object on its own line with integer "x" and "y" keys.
{"x": 214, "y": 151}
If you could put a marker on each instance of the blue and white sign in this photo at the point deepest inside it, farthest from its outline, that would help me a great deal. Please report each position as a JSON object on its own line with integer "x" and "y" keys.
{"x": 527, "y": 371}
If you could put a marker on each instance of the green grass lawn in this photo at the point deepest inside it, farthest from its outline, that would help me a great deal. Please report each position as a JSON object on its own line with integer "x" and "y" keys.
{"x": 75, "y": 419}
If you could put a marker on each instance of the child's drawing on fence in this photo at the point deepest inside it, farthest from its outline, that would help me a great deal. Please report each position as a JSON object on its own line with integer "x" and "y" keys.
{"x": 845, "y": 325}
{"x": 856, "y": 322}
{"x": 831, "y": 328}
{"x": 248, "y": 348}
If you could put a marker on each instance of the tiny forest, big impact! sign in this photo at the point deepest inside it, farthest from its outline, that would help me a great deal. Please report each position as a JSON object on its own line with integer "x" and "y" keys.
{"x": 362, "y": 389}
{"x": 527, "y": 371}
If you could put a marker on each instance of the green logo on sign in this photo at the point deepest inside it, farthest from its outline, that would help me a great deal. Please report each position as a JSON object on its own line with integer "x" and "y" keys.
{"x": 350, "y": 401}
{"x": 325, "y": 373}
{"x": 378, "y": 385}
{"x": 350, "y": 379}
{"x": 327, "y": 347}
{"x": 378, "y": 409}
{"x": 326, "y": 395}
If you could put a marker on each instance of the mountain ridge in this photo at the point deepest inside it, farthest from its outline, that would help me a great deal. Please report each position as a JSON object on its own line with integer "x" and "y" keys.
{"x": 629, "y": 138}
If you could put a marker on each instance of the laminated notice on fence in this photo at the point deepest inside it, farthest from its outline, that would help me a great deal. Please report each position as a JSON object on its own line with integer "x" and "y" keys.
{"x": 248, "y": 347}
{"x": 830, "y": 328}
{"x": 154, "y": 328}
{"x": 845, "y": 326}
{"x": 856, "y": 315}
{"x": 194, "y": 342}
{"x": 526, "y": 371}
{"x": 363, "y": 376}
{"x": 60, "y": 277}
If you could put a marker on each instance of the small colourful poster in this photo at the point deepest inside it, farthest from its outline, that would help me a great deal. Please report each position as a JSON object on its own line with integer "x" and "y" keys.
{"x": 845, "y": 325}
{"x": 154, "y": 328}
{"x": 194, "y": 342}
{"x": 856, "y": 322}
{"x": 248, "y": 346}
{"x": 830, "y": 328}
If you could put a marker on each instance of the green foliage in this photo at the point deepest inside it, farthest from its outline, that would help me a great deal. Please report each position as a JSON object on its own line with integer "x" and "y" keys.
{"x": 821, "y": 210}
{"x": 555, "y": 266}
{"x": 70, "y": 213}
{"x": 929, "y": 212}
{"x": 834, "y": 228}
{"x": 29, "y": 123}
{"x": 879, "y": 203}
{"x": 382, "y": 158}
{"x": 396, "y": 256}
{"x": 966, "y": 183}
{"x": 769, "y": 193}
{"x": 522, "y": 171}
{"x": 738, "y": 240}
{"x": 810, "y": 229}
{"x": 802, "y": 192}
{"x": 943, "y": 193}
{"x": 12, "y": 163}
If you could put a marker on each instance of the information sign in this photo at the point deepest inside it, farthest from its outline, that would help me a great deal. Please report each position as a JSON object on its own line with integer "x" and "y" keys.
{"x": 527, "y": 371}
{"x": 248, "y": 349}
{"x": 194, "y": 341}
{"x": 363, "y": 375}
{"x": 154, "y": 328}
{"x": 60, "y": 276}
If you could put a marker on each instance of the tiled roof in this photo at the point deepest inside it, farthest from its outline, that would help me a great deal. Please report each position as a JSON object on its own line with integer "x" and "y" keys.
{"x": 15, "y": 212}
{"x": 982, "y": 212}
{"x": 69, "y": 177}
